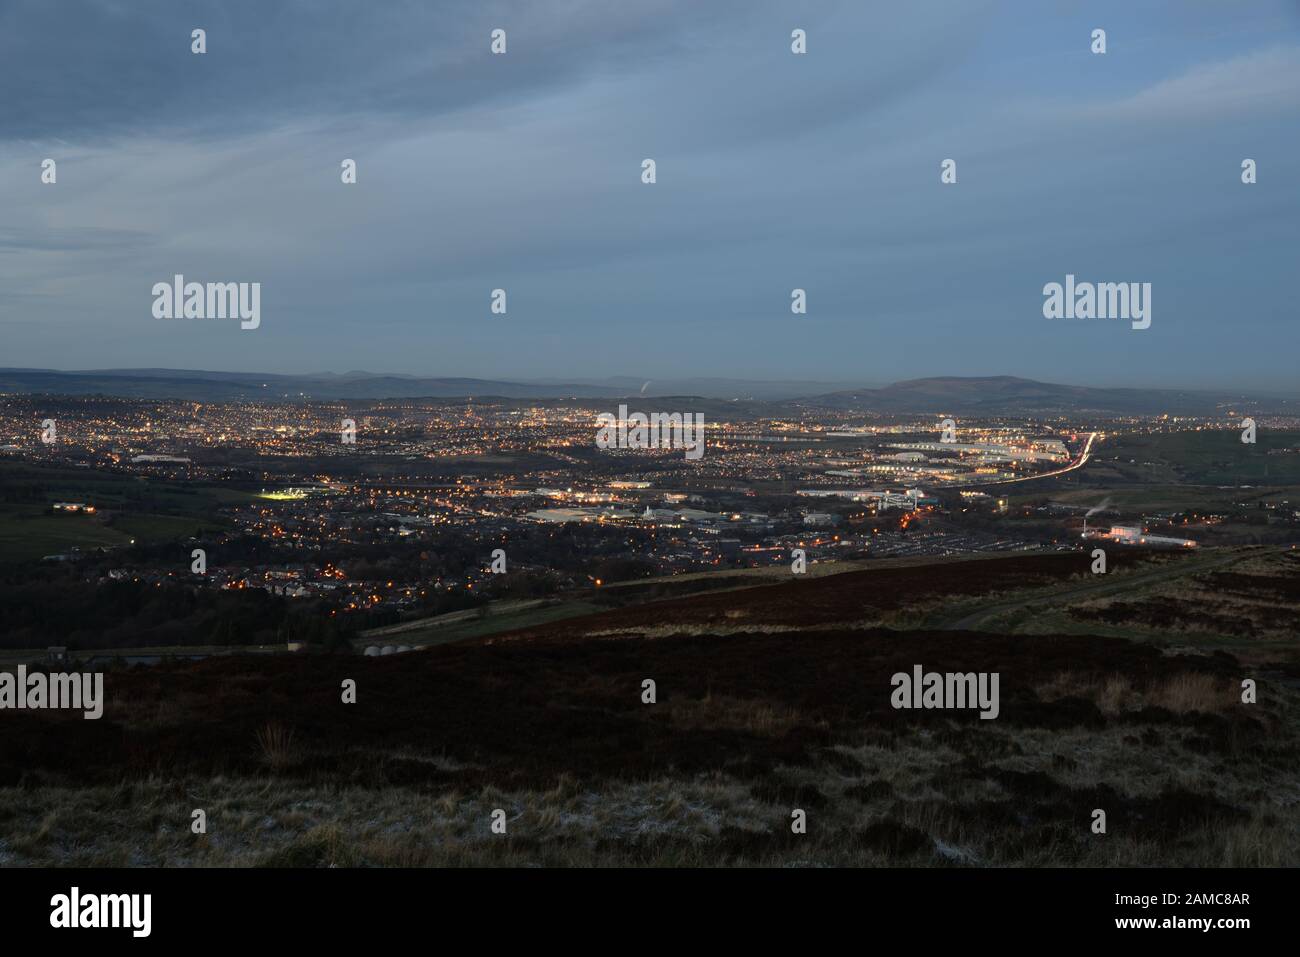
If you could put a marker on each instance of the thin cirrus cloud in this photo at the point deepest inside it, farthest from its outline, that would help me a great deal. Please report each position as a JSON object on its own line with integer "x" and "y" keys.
{"x": 1260, "y": 81}
{"x": 128, "y": 68}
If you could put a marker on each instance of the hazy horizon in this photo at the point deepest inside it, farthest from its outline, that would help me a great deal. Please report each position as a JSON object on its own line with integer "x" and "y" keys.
{"x": 776, "y": 389}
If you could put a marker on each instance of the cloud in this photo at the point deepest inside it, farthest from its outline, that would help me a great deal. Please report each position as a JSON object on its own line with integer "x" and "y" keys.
{"x": 71, "y": 239}
{"x": 522, "y": 171}
{"x": 1258, "y": 81}
{"x": 92, "y": 68}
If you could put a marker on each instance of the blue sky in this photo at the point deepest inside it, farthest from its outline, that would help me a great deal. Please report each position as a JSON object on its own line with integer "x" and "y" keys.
{"x": 775, "y": 171}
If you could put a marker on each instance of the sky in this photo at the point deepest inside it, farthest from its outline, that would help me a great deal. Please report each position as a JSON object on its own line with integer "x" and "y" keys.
{"x": 775, "y": 171}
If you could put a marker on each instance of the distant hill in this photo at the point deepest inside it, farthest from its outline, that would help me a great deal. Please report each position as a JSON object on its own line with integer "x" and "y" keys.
{"x": 241, "y": 386}
{"x": 992, "y": 395}
{"x": 989, "y": 395}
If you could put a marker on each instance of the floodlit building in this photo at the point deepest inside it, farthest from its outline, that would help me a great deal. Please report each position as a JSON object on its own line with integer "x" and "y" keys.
{"x": 1134, "y": 535}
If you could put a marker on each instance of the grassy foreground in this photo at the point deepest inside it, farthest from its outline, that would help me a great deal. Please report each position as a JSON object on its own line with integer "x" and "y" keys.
{"x": 548, "y": 725}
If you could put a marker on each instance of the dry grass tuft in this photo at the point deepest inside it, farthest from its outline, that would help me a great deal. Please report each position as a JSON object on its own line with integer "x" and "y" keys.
{"x": 1116, "y": 694}
{"x": 1192, "y": 692}
{"x": 737, "y": 714}
{"x": 276, "y": 743}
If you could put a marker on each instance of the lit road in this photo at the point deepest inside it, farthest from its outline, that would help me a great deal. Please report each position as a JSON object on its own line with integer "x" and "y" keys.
{"x": 1077, "y": 464}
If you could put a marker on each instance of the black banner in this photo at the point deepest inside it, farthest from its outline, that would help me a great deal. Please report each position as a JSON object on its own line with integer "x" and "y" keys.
{"x": 337, "y": 906}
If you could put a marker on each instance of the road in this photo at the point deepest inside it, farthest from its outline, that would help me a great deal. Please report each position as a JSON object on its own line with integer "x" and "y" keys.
{"x": 971, "y": 621}
{"x": 1079, "y": 463}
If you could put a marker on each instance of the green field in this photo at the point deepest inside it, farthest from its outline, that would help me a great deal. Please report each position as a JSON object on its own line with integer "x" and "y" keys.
{"x": 1206, "y": 471}
{"x": 1209, "y": 457}
{"x": 27, "y": 533}
{"x": 466, "y": 625}
{"x": 1156, "y": 497}
{"x": 144, "y": 510}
